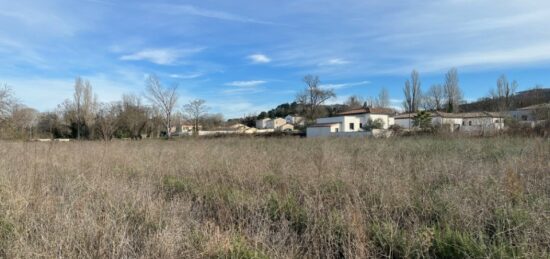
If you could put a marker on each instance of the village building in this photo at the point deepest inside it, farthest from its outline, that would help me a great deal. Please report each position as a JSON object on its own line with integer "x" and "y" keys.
{"x": 465, "y": 122}
{"x": 275, "y": 123}
{"x": 351, "y": 121}
{"x": 262, "y": 123}
{"x": 295, "y": 120}
{"x": 286, "y": 127}
{"x": 531, "y": 115}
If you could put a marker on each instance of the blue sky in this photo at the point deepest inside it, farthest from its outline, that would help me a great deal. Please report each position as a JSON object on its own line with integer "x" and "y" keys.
{"x": 246, "y": 56}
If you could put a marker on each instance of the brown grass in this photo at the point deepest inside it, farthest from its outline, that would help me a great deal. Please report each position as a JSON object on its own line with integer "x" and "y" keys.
{"x": 276, "y": 198}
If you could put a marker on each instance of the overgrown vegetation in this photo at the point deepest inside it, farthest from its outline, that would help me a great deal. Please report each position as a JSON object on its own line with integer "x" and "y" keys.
{"x": 420, "y": 197}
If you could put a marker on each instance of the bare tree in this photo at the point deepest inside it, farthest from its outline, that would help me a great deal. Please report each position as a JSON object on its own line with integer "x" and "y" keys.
{"x": 24, "y": 120}
{"x": 433, "y": 100}
{"x": 81, "y": 111}
{"x": 503, "y": 93}
{"x": 354, "y": 102}
{"x": 133, "y": 116}
{"x": 195, "y": 111}
{"x": 452, "y": 92}
{"x": 412, "y": 93}
{"x": 107, "y": 120}
{"x": 155, "y": 122}
{"x": 212, "y": 121}
{"x": 383, "y": 100}
{"x": 6, "y": 102}
{"x": 51, "y": 124}
{"x": 164, "y": 98}
{"x": 313, "y": 97}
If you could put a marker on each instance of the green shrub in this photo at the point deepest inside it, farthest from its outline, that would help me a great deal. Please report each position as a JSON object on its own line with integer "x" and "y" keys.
{"x": 331, "y": 235}
{"x": 374, "y": 124}
{"x": 225, "y": 204}
{"x": 240, "y": 249}
{"x": 423, "y": 120}
{"x": 390, "y": 241}
{"x": 287, "y": 208}
{"x": 172, "y": 187}
{"x": 450, "y": 243}
{"x": 7, "y": 231}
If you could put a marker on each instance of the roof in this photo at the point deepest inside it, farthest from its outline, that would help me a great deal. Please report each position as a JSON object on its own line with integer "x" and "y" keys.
{"x": 468, "y": 115}
{"x": 405, "y": 116}
{"x": 536, "y": 106}
{"x": 368, "y": 110}
{"x": 323, "y": 125}
{"x": 453, "y": 115}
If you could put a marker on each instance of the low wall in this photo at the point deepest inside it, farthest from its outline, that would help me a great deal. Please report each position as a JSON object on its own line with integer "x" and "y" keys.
{"x": 352, "y": 134}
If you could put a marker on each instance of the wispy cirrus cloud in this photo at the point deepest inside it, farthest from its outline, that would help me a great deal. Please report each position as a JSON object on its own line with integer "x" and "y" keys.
{"x": 186, "y": 76}
{"x": 259, "y": 58}
{"x": 246, "y": 84}
{"x": 343, "y": 85}
{"x": 206, "y": 13}
{"x": 160, "y": 56}
{"x": 245, "y": 87}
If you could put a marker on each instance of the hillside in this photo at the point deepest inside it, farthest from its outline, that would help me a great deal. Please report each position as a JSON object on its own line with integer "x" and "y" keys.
{"x": 520, "y": 99}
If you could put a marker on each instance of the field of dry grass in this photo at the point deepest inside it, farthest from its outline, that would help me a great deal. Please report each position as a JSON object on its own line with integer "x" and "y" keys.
{"x": 276, "y": 198}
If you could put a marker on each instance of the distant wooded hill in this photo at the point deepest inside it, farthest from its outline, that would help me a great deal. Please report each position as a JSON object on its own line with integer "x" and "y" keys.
{"x": 519, "y": 100}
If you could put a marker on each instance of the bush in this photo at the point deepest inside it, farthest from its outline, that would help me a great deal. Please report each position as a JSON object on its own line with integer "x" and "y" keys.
{"x": 423, "y": 120}
{"x": 7, "y": 231}
{"x": 376, "y": 124}
{"x": 172, "y": 187}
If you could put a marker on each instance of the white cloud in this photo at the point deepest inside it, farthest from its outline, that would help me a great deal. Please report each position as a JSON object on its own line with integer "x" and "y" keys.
{"x": 246, "y": 84}
{"x": 259, "y": 58}
{"x": 164, "y": 56}
{"x": 334, "y": 62}
{"x": 186, "y": 76}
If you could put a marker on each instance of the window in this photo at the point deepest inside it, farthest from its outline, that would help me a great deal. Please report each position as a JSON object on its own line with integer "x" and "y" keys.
{"x": 463, "y": 123}
{"x": 524, "y": 117}
{"x": 352, "y": 126}
{"x": 361, "y": 125}
{"x": 469, "y": 123}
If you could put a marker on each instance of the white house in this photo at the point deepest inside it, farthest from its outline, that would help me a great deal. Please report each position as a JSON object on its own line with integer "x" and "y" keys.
{"x": 465, "y": 122}
{"x": 262, "y": 124}
{"x": 323, "y": 129}
{"x": 294, "y": 120}
{"x": 404, "y": 120}
{"x": 286, "y": 127}
{"x": 528, "y": 115}
{"x": 352, "y": 121}
{"x": 275, "y": 123}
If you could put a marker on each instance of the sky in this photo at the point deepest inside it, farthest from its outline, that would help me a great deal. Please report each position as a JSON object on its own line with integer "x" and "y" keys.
{"x": 244, "y": 56}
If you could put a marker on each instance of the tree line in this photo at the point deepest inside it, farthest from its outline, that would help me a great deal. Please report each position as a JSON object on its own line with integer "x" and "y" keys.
{"x": 84, "y": 117}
